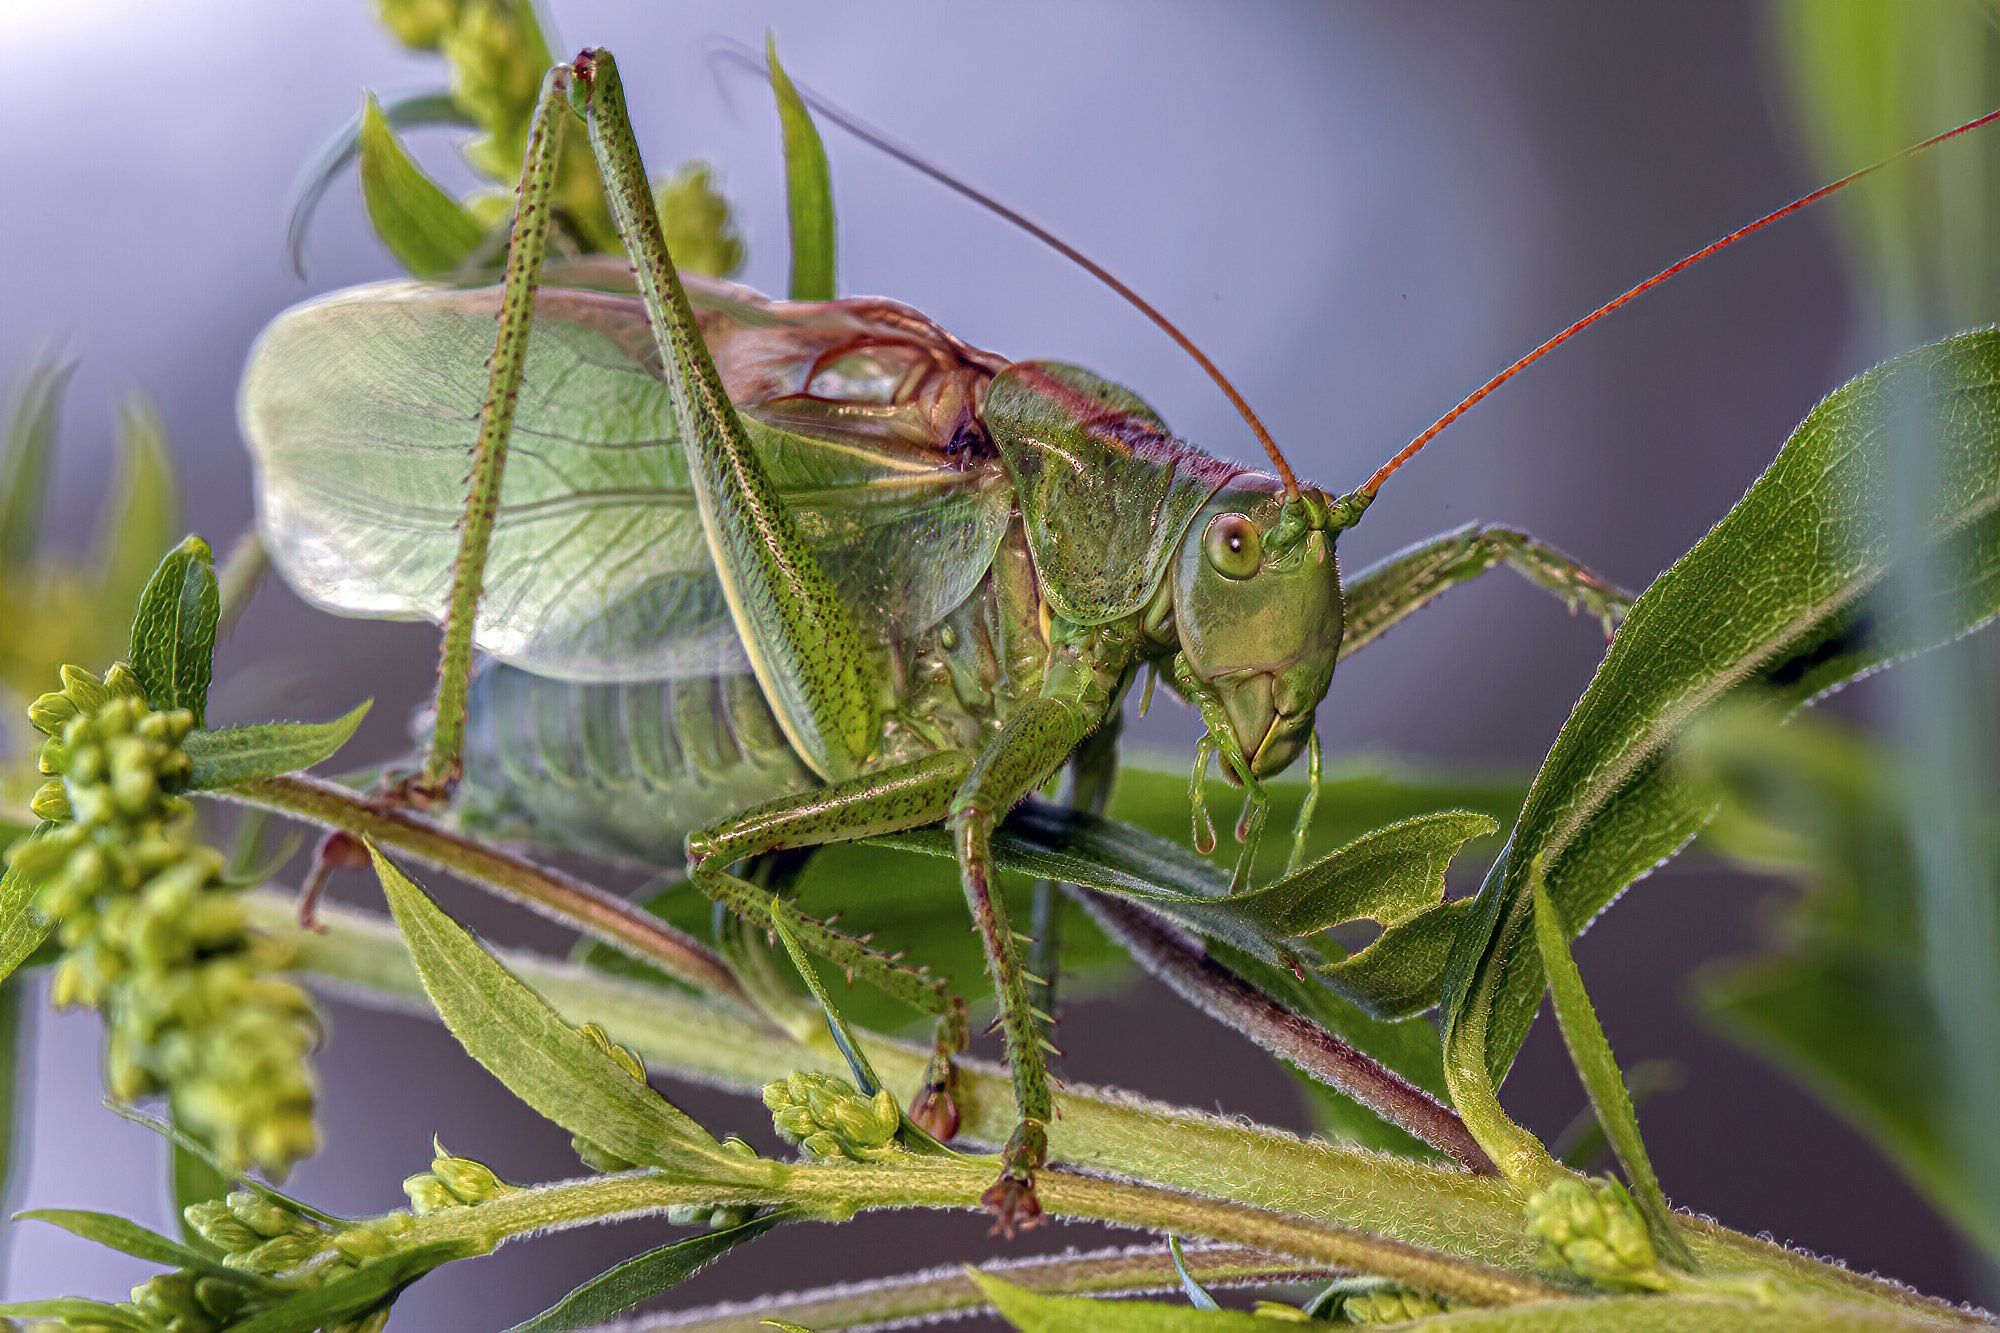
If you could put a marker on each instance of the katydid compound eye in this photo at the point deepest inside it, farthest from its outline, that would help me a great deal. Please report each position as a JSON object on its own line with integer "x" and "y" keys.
{"x": 1232, "y": 545}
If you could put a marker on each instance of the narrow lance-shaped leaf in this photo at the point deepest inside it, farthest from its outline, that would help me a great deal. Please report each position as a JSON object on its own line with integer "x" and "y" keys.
{"x": 76, "y": 1312}
{"x": 173, "y": 634}
{"x": 24, "y": 468}
{"x": 22, "y": 928}
{"x": 1043, "y": 1312}
{"x": 128, "y": 1237}
{"x": 1197, "y": 1294}
{"x": 145, "y": 516}
{"x": 808, "y": 189}
{"x": 428, "y": 231}
{"x": 1393, "y": 876}
{"x": 1590, "y": 1051}
{"x": 407, "y": 111}
{"x": 1775, "y": 599}
{"x": 235, "y": 755}
{"x": 642, "y": 1277}
{"x": 543, "y": 1060}
{"x": 16, "y": 1055}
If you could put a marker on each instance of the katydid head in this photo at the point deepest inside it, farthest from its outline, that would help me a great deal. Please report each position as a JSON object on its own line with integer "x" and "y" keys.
{"x": 1257, "y": 617}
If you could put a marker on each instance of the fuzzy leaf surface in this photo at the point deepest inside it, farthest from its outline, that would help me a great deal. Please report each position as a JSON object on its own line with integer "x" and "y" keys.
{"x": 644, "y": 1276}
{"x": 1775, "y": 600}
{"x": 230, "y": 755}
{"x": 426, "y": 229}
{"x": 173, "y": 633}
{"x": 543, "y": 1060}
{"x": 808, "y": 189}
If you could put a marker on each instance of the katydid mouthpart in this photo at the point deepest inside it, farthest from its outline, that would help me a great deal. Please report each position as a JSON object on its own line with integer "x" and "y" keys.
{"x": 760, "y": 576}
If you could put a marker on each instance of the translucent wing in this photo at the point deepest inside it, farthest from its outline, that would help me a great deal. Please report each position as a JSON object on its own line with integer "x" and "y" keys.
{"x": 362, "y": 410}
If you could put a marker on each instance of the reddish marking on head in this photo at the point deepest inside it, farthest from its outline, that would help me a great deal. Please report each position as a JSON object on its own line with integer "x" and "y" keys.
{"x": 1410, "y": 450}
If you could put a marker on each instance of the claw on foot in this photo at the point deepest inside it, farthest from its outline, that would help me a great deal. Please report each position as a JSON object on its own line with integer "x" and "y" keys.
{"x": 1011, "y": 1199}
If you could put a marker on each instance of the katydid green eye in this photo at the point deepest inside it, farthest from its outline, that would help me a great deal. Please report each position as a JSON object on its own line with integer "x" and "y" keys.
{"x": 1232, "y": 546}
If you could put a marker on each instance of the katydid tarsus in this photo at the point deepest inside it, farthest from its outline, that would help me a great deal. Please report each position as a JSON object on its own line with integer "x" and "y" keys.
{"x": 763, "y": 576}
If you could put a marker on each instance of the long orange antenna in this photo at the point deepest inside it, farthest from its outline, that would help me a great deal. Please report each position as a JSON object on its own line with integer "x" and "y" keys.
{"x": 875, "y": 138}
{"x": 1409, "y": 451}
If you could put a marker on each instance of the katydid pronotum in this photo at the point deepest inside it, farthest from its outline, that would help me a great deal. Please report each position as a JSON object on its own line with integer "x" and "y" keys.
{"x": 764, "y": 576}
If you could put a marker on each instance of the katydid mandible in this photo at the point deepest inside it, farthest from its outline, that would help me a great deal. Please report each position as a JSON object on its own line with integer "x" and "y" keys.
{"x": 762, "y": 576}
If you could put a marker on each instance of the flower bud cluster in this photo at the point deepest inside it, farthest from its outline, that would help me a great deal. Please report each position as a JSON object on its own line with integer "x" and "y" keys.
{"x": 497, "y": 63}
{"x": 827, "y": 1117}
{"x": 152, "y": 937}
{"x": 1594, "y": 1230}
{"x": 1388, "y": 1305}
{"x": 453, "y": 1182}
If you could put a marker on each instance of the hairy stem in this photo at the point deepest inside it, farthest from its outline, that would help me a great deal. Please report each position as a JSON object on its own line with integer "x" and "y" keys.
{"x": 941, "y": 1292}
{"x": 1452, "y": 1212}
{"x": 840, "y": 1189}
{"x": 581, "y": 906}
{"x": 1215, "y": 990}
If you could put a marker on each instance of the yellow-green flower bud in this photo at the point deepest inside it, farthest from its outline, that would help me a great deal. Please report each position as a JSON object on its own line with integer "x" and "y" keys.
{"x": 1388, "y": 1305}
{"x": 828, "y": 1117}
{"x": 1595, "y": 1231}
{"x": 468, "y": 1181}
{"x": 496, "y": 66}
{"x": 215, "y": 1223}
{"x": 362, "y": 1243}
{"x": 280, "y": 1254}
{"x": 51, "y": 713}
{"x": 169, "y": 1301}
{"x": 428, "y": 1195}
{"x": 263, "y": 1214}
{"x": 50, "y": 802}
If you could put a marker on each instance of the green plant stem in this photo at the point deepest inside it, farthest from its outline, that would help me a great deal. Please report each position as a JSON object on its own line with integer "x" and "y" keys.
{"x": 838, "y": 1190}
{"x": 1457, "y": 1214}
{"x": 625, "y": 927}
{"x": 940, "y": 1292}
{"x": 1293, "y": 1037}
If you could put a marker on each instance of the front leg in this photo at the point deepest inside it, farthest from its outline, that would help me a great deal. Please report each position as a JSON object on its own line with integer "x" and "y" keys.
{"x": 1032, "y": 744}
{"x": 1387, "y": 591}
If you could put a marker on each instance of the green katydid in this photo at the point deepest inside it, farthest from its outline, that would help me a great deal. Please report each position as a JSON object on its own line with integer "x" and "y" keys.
{"x": 763, "y": 576}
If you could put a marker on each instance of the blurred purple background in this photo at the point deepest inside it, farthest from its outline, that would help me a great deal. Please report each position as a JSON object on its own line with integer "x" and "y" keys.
{"x": 1359, "y": 210}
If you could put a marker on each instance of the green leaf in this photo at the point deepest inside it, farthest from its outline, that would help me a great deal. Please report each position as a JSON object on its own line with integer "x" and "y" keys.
{"x": 186, "y": 1143}
{"x": 127, "y": 1237}
{"x": 543, "y": 1060}
{"x": 644, "y": 1276}
{"x": 1771, "y": 601}
{"x": 1197, "y": 1294}
{"x": 191, "y": 1179}
{"x": 428, "y": 231}
{"x": 145, "y": 512}
{"x": 808, "y": 189}
{"x": 234, "y": 755}
{"x": 75, "y": 1310}
{"x": 865, "y": 1077}
{"x": 22, "y": 928}
{"x": 358, "y": 1292}
{"x": 1858, "y": 1029}
{"x": 1394, "y": 876}
{"x": 1039, "y": 1312}
{"x": 173, "y": 634}
{"x": 16, "y": 1058}
{"x": 407, "y": 111}
{"x": 1590, "y": 1052}
{"x": 1357, "y": 794}
{"x": 25, "y": 467}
